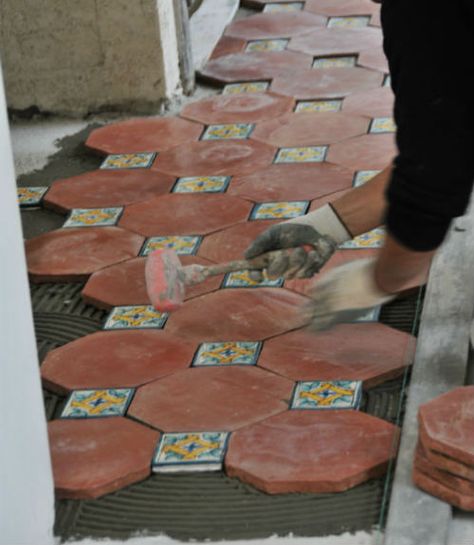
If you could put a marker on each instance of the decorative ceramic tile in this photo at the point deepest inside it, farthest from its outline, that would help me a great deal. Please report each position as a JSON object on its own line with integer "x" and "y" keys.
{"x": 202, "y": 451}
{"x": 239, "y": 131}
{"x": 372, "y": 315}
{"x": 242, "y": 279}
{"x": 267, "y": 45}
{"x": 30, "y": 196}
{"x": 246, "y": 87}
{"x": 182, "y": 245}
{"x": 335, "y": 62}
{"x": 202, "y": 184}
{"x": 319, "y": 394}
{"x": 348, "y": 22}
{"x": 93, "y": 217}
{"x": 227, "y": 353}
{"x": 372, "y": 239}
{"x": 136, "y": 317}
{"x": 98, "y": 403}
{"x": 128, "y": 160}
{"x": 382, "y": 125}
{"x": 318, "y": 106}
{"x": 314, "y": 154}
{"x": 387, "y": 82}
{"x": 279, "y": 210}
{"x": 363, "y": 176}
{"x": 290, "y": 6}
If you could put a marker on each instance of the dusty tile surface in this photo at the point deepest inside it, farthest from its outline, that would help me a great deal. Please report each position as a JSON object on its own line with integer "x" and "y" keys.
{"x": 372, "y": 103}
{"x": 375, "y": 59}
{"x": 227, "y": 45}
{"x": 368, "y": 152}
{"x": 342, "y": 7}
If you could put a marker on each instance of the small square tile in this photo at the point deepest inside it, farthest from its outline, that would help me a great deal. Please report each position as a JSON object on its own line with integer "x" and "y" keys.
{"x": 227, "y": 353}
{"x": 363, "y": 176}
{"x": 315, "y": 154}
{"x": 182, "y": 245}
{"x": 318, "y": 106}
{"x": 349, "y": 22}
{"x": 335, "y": 62}
{"x": 323, "y": 395}
{"x": 202, "y": 184}
{"x": 372, "y": 315}
{"x": 241, "y": 279}
{"x": 387, "y": 82}
{"x": 98, "y": 403}
{"x": 128, "y": 160}
{"x": 135, "y": 317}
{"x": 235, "y": 131}
{"x": 246, "y": 87}
{"x": 382, "y": 125}
{"x": 372, "y": 239}
{"x": 267, "y": 45}
{"x": 279, "y": 210}
{"x": 203, "y": 451}
{"x": 30, "y": 196}
{"x": 289, "y": 6}
{"x": 93, "y": 217}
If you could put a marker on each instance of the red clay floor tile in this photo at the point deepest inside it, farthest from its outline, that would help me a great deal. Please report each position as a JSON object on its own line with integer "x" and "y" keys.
{"x": 374, "y": 58}
{"x": 141, "y": 135}
{"x": 341, "y": 8}
{"x": 94, "y": 457}
{"x": 445, "y": 462}
{"x": 370, "y": 352}
{"x": 214, "y": 158}
{"x": 311, "y": 451}
{"x": 372, "y": 103}
{"x": 368, "y": 152}
{"x": 241, "y": 108}
{"x": 325, "y": 82}
{"x": 71, "y": 255}
{"x": 227, "y": 45}
{"x": 211, "y": 399}
{"x": 249, "y": 314}
{"x": 180, "y": 214}
{"x": 104, "y": 188}
{"x": 113, "y": 359}
{"x": 124, "y": 284}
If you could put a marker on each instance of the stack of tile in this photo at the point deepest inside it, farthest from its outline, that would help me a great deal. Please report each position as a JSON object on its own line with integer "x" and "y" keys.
{"x": 444, "y": 461}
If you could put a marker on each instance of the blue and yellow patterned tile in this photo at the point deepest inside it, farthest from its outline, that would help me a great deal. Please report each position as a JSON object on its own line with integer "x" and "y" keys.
{"x": 359, "y": 21}
{"x": 372, "y": 239}
{"x": 202, "y": 184}
{"x": 279, "y": 44}
{"x": 330, "y": 394}
{"x": 128, "y": 160}
{"x": 310, "y": 106}
{"x": 242, "y": 279}
{"x": 314, "y": 154}
{"x": 382, "y": 125}
{"x": 233, "y": 131}
{"x": 181, "y": 244}
{"x": 246, "y": 87}
{"x": 202, "y": 451}
{"x": 283, "y": 7}
{"x": 30, "y": 196}
{"x": 387, "y": 82}
{"x": 93, "y": 217}
{"x": 363, "y": 176}
{"x": 227, "y": 353}
{"x": 135, "y": 317}
{"x": 372, "y": 315}
{"x": 279, "y": 210}
{"x": 335, "y": 62}
{"x": 98, "y": 403}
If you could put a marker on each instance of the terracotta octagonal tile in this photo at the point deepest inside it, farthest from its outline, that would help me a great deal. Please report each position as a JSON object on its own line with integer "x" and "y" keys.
{"x": 341, "y": 8}
{"x": 124, "y": 284}
{"x": 370, "y": 352}
{"x": 185, "y": 214}
{"x": 242, "y": 108}
{"x": 203, "y": 399}
{"x": 374, "y": 58}
{"x": 309, "y": 129}
{"x": 311, "y": 451}
{"x": 74, "y": 254}
{"x": 445, "y": 463}
{"x": 238, "y": 314}
{"x": 113, "y": 359}
{"x": 215, "y": 158}
{"x": 372, "y": 103}
{"x": 103, "y": 188}
{"x": 291, "y": 182}
{"x": 147, "y": 134}
{"x": 93, "y": 457}
{"x": 326, "y": 82}
{"x": 227, "y": 45}
{"x": 368, "y": 152}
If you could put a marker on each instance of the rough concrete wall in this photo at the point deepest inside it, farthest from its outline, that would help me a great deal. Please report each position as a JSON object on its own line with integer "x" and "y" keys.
{"x": 80, "y": 56}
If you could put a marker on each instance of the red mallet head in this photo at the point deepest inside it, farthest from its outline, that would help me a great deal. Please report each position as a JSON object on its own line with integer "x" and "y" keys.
{"x": 164, "y": 283}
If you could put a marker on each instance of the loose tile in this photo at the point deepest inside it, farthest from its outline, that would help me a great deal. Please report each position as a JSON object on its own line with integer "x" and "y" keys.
{"x": 372, "y": 239}
{"x": 279, "y": 210}
{"x": 337, "y": 394}
{"x": 239, "y": 131}
{"x": 182, "y": 245}
{"x": 128, "y": 160}
{"x": 241, "y": 279}
{"x": 283, "y": 7}
{"x": 377, "y": 102}
{"x": 363, "y": 176}
{"x": 335, "y": 62}
{"x": 267, "y": 45}
{"x": 202, "y": 184}
{"x": 135, "y": 317}
{"x": 98, "y": 403}
{"x": 246, "y": 87}
{"x": 227, "y": 353}
{"x": 310, "y": 106}
{"x": 227, "y": 45}
{"x": 445, "y": 463}
{"x": 342, "y": 8}
{"x": 443, "y": 492}
{"x": 312, "y": 154}
{"x": 382, "y": 124}
{"x": 348, "y": 22}
{"x": 367, "y": 152}
{"x": 93, "y": 217}
{"x": 202, "y": 451}
{"x": 30, "y": 196}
